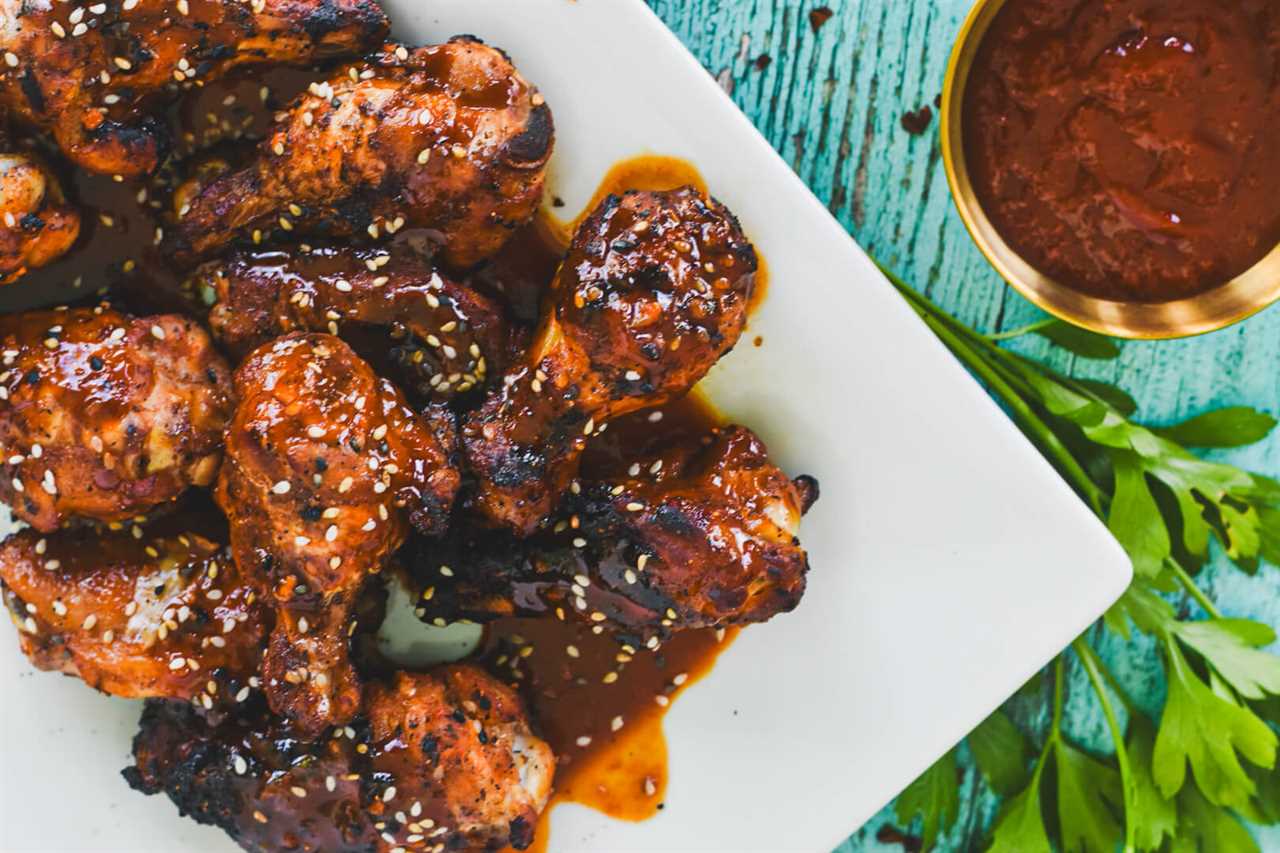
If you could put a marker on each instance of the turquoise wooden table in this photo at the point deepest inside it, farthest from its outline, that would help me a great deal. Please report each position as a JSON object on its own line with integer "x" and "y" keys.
{"x": 828, "y": 82}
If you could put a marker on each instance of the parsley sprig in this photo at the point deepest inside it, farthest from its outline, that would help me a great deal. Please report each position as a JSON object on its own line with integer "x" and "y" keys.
{"x": 1180, "y": 779}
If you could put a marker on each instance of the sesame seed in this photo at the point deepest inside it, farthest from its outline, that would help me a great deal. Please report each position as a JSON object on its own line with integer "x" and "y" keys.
{"x": 634, "y": 506}
{"x": 157, "y": 333}
{"x": 332, "y": 533}
{"x": 380, "y": 432}
{"x": 242, "y": 766}
{"x": 298, "y": 792}
{"x": 615, "y": 723}
{"x": 281, "y": 487}
{"x": 610, "y": 677}
{"x": 177, "y": 663}
{"x": 10, "y": 59}
{"x": 121, "y": 63}
{"x": 662, "y": 700}
{"x": 330, "y": 784}
{"x": 583, "y": 741}
{"x": 579, "y": 542}
{"x": 654, "y": 417}
{"x": 389, "y": 794}
{"x": 446, "y": 571}
{"x": 345, "y": 485}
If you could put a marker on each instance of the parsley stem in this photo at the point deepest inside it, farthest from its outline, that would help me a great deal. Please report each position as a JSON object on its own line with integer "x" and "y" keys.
{"x": 1059, "y": 678}
{"x": 1029, "y": 329}
{"x": 1091, "y": 665}
{"x": 1192, "y": 588}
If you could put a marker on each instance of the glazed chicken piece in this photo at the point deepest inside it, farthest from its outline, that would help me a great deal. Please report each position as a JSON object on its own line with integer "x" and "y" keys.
{"x": 653, "y": 291}
{"x": 90, "y": 74}
{"x": 703, "y": 535}
{"x": 450, "y": 764}
{"x": 326, "y": 468}
{"x": 104, "y": 416}
{"x": 449, "y": 138}
{"x": 158, "y": 616}
{"x": 441, "y": 337}
{"x": 37, "y": 226}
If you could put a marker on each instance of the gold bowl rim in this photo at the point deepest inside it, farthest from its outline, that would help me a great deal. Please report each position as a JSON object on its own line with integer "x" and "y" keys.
{"x": 1228, "y": 303}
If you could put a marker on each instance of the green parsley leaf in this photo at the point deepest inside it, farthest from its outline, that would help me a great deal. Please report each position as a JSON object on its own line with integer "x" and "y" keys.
{"x": 1205, "y": 829}
{"x": 1080, "y": 341}
{"x": 1231, "y": 647}
{"x": 935, "y": 796}
{"x": 1001, "y": 753}
{"x": 1202, "y": 727}
{"x": 1154, "y": 817}
{"x": 1019, "y": 827}
{"x": 1117, "y": 398}
{"x": 1135, "y": 519}
{"x": 1236, "y": 426}
{"x": 1088, "y": 790}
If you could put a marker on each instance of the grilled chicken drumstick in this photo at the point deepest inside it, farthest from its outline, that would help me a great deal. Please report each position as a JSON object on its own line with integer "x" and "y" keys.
{"x": 438, "y": 761}
{"x": 653, "y": 291}
{"x": 702, "y": 535}
{"x": 449, "y": 138}
{"x": 161, "y": 615}
{"x": 104, "y": 416}
{"x": 90, "y": 73}
{"x": 326, "y": 467}
{"x": 441, "y": 337}
{"x": 37, "y": 226}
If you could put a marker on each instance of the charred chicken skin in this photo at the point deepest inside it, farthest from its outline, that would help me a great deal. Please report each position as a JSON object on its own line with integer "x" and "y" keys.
{"x": 104, "y": 416}
{"x": 449, "y": 138}
{"x": 440, "y": 337}
{"x": 703, "y": 535}
{"x": 438, "y": 761}
{"x": 158, "y": 616}
{"x": 326, "y": 468}
{"x": 90, "y": 73}
{"x": 37, "y": 226}
{"x": 653, "y": 291}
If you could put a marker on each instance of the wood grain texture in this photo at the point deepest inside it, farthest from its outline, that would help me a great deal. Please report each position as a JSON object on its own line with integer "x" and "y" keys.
{"x": 831, "y": 101}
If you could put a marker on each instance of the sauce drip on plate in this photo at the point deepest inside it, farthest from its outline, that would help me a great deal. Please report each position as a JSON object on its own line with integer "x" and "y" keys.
{"x": 1127, "y": 148}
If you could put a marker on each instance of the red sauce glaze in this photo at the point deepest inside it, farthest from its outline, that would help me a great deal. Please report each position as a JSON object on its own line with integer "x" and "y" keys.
{"x": 1127, "y": 148}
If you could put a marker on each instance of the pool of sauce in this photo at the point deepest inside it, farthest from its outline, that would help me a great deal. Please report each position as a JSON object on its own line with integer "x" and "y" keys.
{"x": 1127, "y": 148}
{"x": 599, "y": 704}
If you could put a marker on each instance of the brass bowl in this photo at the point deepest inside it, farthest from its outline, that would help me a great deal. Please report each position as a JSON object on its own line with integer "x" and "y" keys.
{"x": 1214, "y": 309}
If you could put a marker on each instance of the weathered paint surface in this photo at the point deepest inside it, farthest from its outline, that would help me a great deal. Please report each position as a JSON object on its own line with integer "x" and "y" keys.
{"x": 831, "y": 100}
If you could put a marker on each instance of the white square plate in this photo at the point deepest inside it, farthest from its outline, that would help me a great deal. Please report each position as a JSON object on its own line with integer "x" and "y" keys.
{"x": 949, "y": 560}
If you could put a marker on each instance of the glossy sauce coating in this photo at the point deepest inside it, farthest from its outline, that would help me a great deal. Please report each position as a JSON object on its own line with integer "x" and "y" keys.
{"x": 1127, "y": 148}
{"x": 437, "y": 337}
{"x": 161, "y": 614}
{"x": 653, "y": 291}
{"x": 37, "y": 226}
{"x": 90, "y": 73}
{"x": 440, "y": 760}
{"x": 327, "y": 466}
{"x": 448, "y": 137}
{"x": 104, "y": 416}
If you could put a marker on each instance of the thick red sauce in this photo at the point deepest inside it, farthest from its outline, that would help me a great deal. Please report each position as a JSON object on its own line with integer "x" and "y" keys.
{"x": 1128, "y": 148}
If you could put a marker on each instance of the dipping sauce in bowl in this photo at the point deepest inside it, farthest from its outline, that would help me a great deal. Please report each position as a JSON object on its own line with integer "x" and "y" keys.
{"x": 1129, "y": 149}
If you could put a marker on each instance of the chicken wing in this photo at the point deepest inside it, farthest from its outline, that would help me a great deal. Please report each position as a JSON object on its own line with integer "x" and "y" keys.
{"x": 440, "y": 761}
{"x": 449, "y": 138}
{"x": 653, "y": 291}
{"x": 704, "y": 534}
{"x": 104, "y": 416}
{"x": 37, "y": 225}
{"x": 441, "y": 337}
{"x": 162, "y": 615}
{"x": 326, "y": 468}
{"x": 89, "y": 73}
